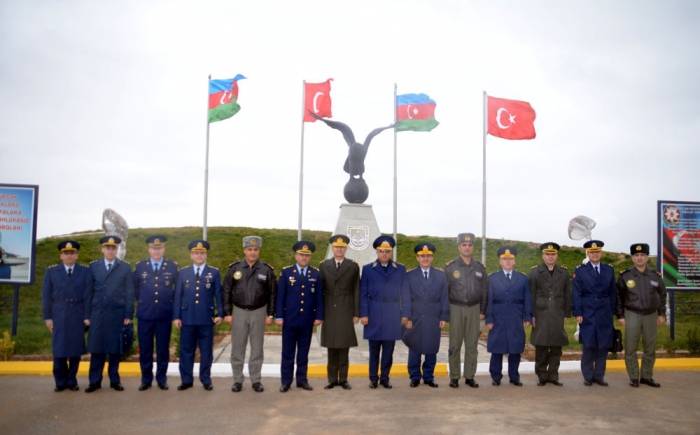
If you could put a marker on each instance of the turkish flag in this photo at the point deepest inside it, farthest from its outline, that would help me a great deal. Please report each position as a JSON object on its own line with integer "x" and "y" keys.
{"x": 511, "y": 119}
{"x": 317, "y": 99}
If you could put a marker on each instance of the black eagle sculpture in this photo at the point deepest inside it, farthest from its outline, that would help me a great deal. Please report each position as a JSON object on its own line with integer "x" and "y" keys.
{"x": 356, "y": 190}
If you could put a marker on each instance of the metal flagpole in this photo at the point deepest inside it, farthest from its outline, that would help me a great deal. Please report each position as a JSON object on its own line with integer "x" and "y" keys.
{"x": 483, "y": 186}
{"x": 206, "y": 169}
{"x": 396, "y": 248}
{"x": 301, "y": 158}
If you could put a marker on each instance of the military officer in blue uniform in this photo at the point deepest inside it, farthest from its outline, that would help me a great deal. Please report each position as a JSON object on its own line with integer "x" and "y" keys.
{"x": 508, "y": 311}
{"x": 110, "y": 307}
{"x": 198, "y": 307}
{"x": 595, "y": 301}
{"x": 64, "y": 295}
{"x": 380, "y": 309}
{"x": 425, "y": 310}
{"x": 298, "y": 309}
{"x": 154, "y": 287}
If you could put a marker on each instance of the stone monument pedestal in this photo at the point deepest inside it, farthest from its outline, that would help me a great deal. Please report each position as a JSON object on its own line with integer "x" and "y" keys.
{"x": 357, "y": 221}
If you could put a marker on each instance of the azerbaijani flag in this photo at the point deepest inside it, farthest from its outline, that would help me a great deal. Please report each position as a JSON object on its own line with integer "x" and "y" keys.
{"x": 415, "y": 112}
{"x": 223, "y": 98}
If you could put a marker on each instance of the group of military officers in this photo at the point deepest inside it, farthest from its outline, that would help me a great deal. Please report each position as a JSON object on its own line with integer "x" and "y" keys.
{"x": 390, "y": 302}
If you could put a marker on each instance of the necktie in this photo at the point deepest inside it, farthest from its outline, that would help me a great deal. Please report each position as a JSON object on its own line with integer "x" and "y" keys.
{"x": 508, "y": 275}
{"x": 70, "y": 271}
{"x": 155, "y": 267}
{"x": 109, "y": 267}
{"x": 197, "y": 273}
{"x": 337, "y": 265}
{"x": 425, "y": 274}
{"x": 597, "y": 270}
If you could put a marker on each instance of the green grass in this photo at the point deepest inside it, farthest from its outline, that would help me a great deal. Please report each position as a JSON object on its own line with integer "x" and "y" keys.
{"x": 33, "y": 338}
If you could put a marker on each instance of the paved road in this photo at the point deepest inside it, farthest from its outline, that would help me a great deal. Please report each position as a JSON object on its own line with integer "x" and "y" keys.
{"x": 28, "y": 405}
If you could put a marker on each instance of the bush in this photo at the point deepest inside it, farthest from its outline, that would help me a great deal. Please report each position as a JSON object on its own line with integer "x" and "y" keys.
{"x": 694, "y": 340}
{"x": 7, "y": 346}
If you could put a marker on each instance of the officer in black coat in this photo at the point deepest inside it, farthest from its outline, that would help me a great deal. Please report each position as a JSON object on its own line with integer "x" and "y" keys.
{"x": 550, "y": 286}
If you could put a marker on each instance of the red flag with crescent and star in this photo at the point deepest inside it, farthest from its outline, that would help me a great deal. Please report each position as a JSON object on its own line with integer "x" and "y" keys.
{"x": 510, "y": 119}
{"x": 317, "y": 99}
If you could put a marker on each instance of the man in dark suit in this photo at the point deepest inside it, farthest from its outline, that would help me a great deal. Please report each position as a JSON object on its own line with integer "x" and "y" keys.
{"x": 154, "y": 286}
{"x": 341, "y": 294}
{"x": 110, "y": 308}
{"x": 64, "y": 294}
{"x": 595, "y": 297}
{"x": 425, "y": 310}
{"x": 198, "y": 307}
{"x": 299, "y": 309}
{"x": 550, "y": 286}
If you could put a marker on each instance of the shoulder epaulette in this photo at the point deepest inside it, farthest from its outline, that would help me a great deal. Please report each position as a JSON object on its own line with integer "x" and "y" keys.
{"x": 268, "y": 265}
{"x": 235, "y": 262}
{"x": 95, "y": 261}
{"x": 397, "y": 264}
{"x": 53, "y": 266}
{"x": 313, "y": 268}
{"x": 288, "y": 267}
{"x": 449, "y": 262}
{"x": 411, "y": 269}
{"x": 535, "y": 266}
{"x": 213, "y": 267}
{"x": 439, "y": 268}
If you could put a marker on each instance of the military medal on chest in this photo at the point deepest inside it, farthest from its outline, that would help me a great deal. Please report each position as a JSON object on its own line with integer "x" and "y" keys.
{"x": 237, "y": 275}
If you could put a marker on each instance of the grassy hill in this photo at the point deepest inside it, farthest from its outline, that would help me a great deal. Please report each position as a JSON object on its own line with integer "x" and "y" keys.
{"x": 33, "y": 338}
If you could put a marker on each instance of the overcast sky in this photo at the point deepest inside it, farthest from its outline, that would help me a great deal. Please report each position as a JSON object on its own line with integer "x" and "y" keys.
{"x": 103, "y": 104}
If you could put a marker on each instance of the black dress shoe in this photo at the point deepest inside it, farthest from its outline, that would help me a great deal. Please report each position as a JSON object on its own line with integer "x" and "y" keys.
{"x": 414, "y": 384}
{"x": 634, "y": 383}
{"x": 516, "y": 383}
{"x": 345, "y": 385}
{"x": 600, "y": 382}
{"x": 144, "y": 387}
{"x": 305, "y": 386}
{"x": 58, "y": 389}
{"x": 74, "y": 388}
{"x": 541, "y": 383}
{"x": 373, "y": 384}
{"x": 163, "y": 387}
{"x": 557, "y": 383}
{"x": 183, "y": 387}
{"x": 431, "y": 384}
{"x": 208, "y": 387}
{"x": 496, "y": 383}
{"x": 258, "y": 387}
{"x": 471, "y": 383}
{"x": 587, "y": 383}
{"x": 92, "y": 388}
{"x": 237, "y": 387}
{"x": 650, "y": 382}
{"x": 454, "y": 383}
{"x": 329, "y": 386}
{"x": 386, "y": 384}
{"x": 116, "y": 387}
{"x": 284, "y": 388}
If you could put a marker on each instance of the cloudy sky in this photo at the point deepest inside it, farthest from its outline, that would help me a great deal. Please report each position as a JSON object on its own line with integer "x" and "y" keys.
{"x": 103, "y": 104}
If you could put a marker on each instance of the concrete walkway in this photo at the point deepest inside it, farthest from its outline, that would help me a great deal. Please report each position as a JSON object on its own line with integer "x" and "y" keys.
{"x": 319, "y": 355}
